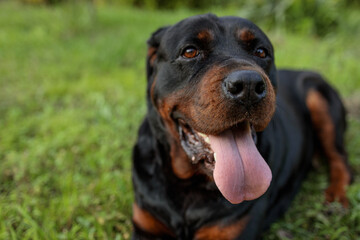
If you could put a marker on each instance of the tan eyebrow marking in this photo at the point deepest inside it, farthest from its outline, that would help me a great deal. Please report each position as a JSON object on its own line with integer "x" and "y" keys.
{"x": 245, "y": 35}
{"x": 205, "y": 35}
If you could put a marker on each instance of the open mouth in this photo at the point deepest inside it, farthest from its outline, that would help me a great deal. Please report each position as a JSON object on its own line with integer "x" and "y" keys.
{"x": 196, "y": 145}
{"x": 238, "y": 168}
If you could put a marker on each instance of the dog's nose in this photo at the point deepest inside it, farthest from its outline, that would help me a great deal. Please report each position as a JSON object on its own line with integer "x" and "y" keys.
{"x": 246, "y": 86}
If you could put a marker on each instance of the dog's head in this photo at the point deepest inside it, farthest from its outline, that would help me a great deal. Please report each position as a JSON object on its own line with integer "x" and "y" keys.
{"x": 211, "y": 83}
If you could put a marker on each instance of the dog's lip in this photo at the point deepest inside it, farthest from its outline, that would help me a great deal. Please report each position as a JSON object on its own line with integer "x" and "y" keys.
{"x": 184, "y": 125}
{"x": 196, "y": 145}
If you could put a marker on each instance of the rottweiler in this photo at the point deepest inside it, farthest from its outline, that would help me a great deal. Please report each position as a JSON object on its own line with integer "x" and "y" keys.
{"x": 228, "y": 138}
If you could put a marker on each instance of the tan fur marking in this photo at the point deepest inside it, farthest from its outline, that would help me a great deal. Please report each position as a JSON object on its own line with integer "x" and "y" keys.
{"x": 180, "y": 163}
{"x": 152, "y": 88}
{"x": 205, "y": 35}
{"x": 325, "y": 128}
{"x": 151, "y": 55}
{"x": 216, "y": 232}
{"x": 211, "y": 111}
{"x": 146, "y": 222}
{"x": 151, "y": 51}
{"x": 245, "y": 35}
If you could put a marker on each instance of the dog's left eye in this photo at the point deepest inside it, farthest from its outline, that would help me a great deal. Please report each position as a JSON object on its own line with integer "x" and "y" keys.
{"x": 261, "y": 53}
{"x": 190, "y": 52}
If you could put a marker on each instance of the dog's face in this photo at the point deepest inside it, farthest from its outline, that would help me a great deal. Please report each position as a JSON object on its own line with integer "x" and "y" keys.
{"x": 212, "y": 81}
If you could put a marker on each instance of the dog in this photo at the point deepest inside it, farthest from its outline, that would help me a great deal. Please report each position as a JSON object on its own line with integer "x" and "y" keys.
{"x": 228, "y": 138}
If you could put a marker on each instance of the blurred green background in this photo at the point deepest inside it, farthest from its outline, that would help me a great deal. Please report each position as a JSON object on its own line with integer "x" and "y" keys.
{"x": 72, "y": 95}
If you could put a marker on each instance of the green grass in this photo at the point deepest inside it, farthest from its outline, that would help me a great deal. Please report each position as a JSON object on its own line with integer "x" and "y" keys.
{"x": 72, "y": 95}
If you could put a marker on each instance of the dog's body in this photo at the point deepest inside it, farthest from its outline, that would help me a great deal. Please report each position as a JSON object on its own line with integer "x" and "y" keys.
{"x": 211, "y": 98}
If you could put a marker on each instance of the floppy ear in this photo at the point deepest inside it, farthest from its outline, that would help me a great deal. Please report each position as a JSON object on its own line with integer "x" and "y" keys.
{"x": 153, "y": 116}
{"x": 153, "y": 45}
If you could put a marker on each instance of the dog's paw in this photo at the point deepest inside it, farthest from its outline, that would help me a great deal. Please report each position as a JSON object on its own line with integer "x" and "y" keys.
{"x": 337, "y": 192}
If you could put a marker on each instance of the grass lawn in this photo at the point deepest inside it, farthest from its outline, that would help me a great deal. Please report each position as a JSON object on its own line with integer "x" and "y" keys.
{"x": 72, "y": 95}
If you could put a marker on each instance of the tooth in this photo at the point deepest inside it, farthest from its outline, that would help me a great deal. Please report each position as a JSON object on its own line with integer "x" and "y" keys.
{"x": 202, "y": 135}
{"x": 205, "y": 137}
{"x": 193, "y": 158}
{"x": 215, "y": 157}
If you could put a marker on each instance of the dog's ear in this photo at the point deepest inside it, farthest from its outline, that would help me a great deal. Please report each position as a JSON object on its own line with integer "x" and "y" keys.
{"x": 153, "y": 116}
{"x": 153, "y": 46}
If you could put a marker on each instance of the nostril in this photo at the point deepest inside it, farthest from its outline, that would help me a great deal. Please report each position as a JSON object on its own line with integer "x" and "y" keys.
{"x": 260, "y": 88}
{"x": 235, "y": 87}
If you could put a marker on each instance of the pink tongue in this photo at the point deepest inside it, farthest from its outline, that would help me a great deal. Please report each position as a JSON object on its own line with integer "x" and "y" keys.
{"x": 240, "y": 171}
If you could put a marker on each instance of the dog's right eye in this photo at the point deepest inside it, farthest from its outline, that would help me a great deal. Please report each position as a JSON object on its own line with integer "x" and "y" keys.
{"x": 190, "y": 52}
{"x": 261, "y": 53}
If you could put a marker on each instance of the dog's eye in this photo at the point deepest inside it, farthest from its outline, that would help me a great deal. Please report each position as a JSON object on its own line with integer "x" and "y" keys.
{"x": 261, "y": 53}
{"x": 190, "y": 52}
